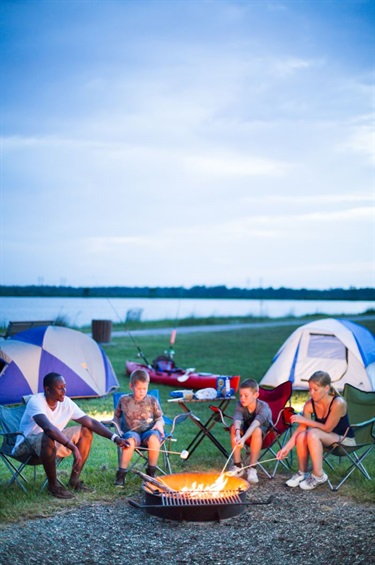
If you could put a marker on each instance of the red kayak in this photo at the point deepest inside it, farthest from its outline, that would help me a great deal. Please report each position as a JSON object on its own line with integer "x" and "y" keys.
{"x": 162, "y": 371}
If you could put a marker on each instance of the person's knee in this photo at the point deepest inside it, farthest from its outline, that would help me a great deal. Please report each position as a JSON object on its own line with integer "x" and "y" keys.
{"x": 132, "y": 443}
{"x": 47, "y": 446}
{"x": 86, "y": 434}
{"x": 312, "y": 435}
{"x": 154, "y": 441}
{"x": 301, "y": 439}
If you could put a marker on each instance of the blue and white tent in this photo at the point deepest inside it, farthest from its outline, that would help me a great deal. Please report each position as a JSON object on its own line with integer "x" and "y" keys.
{"x": 343, "y": 349}
{"x": 28, "y": 356}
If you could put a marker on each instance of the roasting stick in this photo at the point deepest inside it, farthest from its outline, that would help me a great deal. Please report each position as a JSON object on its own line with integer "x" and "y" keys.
{"x": 183, "y": 454}
{"x": 227, "y": 461}
{"x": 253, "y": 465}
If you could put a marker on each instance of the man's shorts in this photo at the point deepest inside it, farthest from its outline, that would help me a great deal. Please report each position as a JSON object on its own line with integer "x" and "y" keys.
{"x": 142, "y": 438}
{"x": 33, "y": 445}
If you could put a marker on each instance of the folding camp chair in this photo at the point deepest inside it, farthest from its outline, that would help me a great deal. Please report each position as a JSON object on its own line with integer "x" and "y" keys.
{"x": 275, "y": 438}
{"x": 10, "y": 418}
{"x": 165, "y": 447}
{"x": 361, "y": 410}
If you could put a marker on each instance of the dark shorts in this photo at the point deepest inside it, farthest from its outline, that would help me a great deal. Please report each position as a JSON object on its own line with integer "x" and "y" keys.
{"x": 264, "y": 429}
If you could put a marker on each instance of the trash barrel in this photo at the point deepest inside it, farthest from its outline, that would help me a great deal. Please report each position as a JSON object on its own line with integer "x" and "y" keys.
{"x": 101, "y": 330}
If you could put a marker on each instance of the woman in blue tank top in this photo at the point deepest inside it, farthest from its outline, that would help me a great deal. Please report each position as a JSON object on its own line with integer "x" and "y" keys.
{"x": 324, "y": 422}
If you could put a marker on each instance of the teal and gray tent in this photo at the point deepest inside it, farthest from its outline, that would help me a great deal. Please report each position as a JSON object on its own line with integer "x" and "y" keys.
{"x": 342, "y": 348}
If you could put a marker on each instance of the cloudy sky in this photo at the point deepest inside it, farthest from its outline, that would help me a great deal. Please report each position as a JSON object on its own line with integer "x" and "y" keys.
{"x": 187, "y": 142}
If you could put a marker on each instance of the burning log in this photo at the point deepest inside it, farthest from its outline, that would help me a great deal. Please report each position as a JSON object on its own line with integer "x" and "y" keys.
{"x": 156, "y": 482}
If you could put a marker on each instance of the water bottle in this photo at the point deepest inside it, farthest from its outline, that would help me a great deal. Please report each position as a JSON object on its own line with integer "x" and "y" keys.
{"x": 227, "y": 387}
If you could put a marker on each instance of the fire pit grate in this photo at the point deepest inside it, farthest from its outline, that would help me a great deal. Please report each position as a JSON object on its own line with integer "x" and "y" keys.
{"x": 194, "y": 497}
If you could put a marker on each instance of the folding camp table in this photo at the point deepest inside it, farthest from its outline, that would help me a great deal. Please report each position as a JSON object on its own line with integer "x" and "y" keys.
{"x": 205, "y": 429}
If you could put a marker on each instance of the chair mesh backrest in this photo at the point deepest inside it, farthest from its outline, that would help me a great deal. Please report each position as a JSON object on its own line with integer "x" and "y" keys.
{"x": 361, "y": 407}
{"x": 117, "y": 396}
{"x": 276, "y": 399}
{"x": 10, "y": 418}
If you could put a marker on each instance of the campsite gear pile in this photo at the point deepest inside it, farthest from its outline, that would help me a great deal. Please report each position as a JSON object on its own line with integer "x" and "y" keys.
{"x": 28, "y": 356}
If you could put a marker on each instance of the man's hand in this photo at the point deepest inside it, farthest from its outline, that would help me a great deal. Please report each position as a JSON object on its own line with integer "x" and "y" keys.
{"x": 77, "y": 463}
{"x": 123, "y": 443}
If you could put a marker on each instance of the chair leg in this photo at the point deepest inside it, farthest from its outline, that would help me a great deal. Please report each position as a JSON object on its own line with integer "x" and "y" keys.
{"x": 356, "y": 464}
{"x": 16, "y": 472}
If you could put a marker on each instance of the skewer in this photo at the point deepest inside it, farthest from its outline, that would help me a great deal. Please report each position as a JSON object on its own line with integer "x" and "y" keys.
{"x": 227, "y": 461}
{"x": 232, "y": 473}
{"x": 184, "y": 454}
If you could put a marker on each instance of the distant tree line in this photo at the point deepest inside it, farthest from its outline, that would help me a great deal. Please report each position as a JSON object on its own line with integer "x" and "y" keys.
{"x": 270, "y": 293}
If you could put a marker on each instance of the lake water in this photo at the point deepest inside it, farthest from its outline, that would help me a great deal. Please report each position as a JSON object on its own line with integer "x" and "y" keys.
{"x": 80, "y": 312}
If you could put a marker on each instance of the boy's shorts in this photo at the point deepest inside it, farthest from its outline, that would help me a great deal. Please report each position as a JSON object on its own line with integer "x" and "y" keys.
{"x": 143, "y": 437}
{"x": 264, "y": 429}
{"x": 33, "y": 445}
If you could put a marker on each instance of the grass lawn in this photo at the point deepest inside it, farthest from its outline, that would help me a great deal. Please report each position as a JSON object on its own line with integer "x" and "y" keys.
{"x": 245, "y": 352}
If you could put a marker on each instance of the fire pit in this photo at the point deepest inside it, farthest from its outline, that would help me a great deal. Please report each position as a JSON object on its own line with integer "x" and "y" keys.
{"x": 195, "y": 497}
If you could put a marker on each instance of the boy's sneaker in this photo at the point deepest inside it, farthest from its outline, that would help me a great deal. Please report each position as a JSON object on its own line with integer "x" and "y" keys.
{"x": 236, "y": 471}
{"x": 297, "y": 479}
{"x": 252, "y": 475}
{"x": 151, "y": 471}
{"x": 312, "y": 482}
{"x": 120, "y": 478}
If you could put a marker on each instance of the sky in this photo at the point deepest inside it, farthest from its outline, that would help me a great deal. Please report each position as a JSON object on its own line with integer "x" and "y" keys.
{"x": 187, "y": 142}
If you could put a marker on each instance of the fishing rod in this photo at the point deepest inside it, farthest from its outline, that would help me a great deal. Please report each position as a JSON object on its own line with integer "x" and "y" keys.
{"x": 140, "y": 352}
{"x": 170, "y": 352}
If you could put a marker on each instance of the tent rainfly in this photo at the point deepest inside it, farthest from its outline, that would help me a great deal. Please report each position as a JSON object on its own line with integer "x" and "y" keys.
{"x": 28, "y": 356}
{"x": 342, "y": 348}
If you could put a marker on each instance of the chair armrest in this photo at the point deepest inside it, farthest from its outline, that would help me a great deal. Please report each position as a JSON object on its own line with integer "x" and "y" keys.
{"x": 12, "y": 434}
{"x": 112, "y": 423}
{"x": 167, "y": 421}
{"x": 363, "y": 424}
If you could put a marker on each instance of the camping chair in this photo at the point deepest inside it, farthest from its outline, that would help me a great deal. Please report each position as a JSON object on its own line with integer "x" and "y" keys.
{"x": 10, "y": 419}
{"x": 165, "y": 447}
{"x": 361, "y": 410}
{"x": 275, "y": 438}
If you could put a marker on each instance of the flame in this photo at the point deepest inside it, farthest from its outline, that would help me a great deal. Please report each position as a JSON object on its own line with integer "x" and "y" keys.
{"x": 200, "y": 490}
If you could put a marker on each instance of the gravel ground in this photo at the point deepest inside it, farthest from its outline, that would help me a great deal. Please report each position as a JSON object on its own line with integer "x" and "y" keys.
{"x": 295, "y": 528}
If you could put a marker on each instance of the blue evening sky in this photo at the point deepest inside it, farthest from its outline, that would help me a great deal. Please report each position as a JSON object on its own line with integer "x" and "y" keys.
{"x": 187, "y": 142}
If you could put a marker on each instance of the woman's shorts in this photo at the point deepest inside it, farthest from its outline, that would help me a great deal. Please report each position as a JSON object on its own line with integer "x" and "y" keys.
{"x": 349, "y": 441}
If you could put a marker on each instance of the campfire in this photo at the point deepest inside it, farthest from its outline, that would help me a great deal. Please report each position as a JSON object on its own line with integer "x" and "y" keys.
{"x": 197, "y": 497}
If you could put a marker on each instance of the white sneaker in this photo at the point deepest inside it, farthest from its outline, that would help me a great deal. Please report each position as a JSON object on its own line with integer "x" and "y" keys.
{"x": 252, "y": 475}
{"x": 297, "y": 479}
{"x": 236, "y": 471}
{"x": 312, "y": 482}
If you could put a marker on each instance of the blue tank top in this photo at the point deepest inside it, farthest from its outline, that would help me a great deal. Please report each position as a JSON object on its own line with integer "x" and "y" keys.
{"x": 342, "y": 424}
